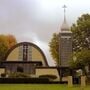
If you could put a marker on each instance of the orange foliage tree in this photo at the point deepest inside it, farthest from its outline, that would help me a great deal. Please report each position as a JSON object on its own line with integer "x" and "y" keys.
{"x": 11, "y": 40}
{"x": 6, "y": 42}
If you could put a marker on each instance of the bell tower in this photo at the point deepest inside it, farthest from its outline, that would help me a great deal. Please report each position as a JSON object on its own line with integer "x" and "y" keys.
{"x": 65, "y": 43}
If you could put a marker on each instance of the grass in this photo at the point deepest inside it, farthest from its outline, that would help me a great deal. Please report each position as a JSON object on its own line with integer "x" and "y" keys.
{"x": 40, "y": 87}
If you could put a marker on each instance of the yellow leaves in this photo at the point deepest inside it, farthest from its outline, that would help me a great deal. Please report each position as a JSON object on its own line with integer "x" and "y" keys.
{"x": 6, "y": 41}
{"x": 11, "y": 40}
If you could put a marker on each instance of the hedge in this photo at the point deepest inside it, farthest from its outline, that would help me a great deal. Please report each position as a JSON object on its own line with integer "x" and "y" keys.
{"x": 24, "y": 80}
{"x": 51, "y": 77}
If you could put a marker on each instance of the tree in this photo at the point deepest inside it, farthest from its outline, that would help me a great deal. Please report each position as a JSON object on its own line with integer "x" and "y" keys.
{"x": 6, "y": 41}
{"x": 54, "y": 47}
{"x": 81, "y": 33}
{"x": 81, "y": 41}
{"x": 82, "y": 60}
{"x": 11, "y": 40}
{"x": 3, "y": 46}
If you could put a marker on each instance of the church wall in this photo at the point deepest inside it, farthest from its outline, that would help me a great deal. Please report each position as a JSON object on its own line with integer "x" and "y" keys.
{"x": 2, "y": 70}
{"x": 36, "y": 56}
{"x": 47, "y": 71}
{"x": 27, "y": 68}
{"x": 13, "y": 56}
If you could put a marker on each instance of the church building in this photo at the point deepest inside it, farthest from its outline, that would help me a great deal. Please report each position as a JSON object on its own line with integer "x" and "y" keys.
{"x": 28, "y": 58}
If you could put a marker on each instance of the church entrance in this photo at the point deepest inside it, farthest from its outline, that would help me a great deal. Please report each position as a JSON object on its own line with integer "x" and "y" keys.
{"x": 20, "y": 69}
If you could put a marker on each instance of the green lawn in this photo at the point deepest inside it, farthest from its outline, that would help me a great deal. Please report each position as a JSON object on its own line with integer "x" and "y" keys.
{"x": 40, "y": 87}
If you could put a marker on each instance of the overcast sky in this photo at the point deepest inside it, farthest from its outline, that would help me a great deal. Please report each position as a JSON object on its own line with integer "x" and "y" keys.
{"x": 36, "y": 20}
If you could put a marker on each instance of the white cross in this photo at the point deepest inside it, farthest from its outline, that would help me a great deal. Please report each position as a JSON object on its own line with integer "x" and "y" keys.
{"x": 64, "y": 12}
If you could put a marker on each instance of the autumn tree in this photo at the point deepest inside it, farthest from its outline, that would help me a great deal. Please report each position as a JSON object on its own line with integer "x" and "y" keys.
{"x": 11, "y": 40}
{"x": 6, "y": 41}
{"x": 3, "y": 46}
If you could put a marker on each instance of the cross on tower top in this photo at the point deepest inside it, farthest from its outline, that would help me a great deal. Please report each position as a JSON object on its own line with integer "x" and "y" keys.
{"x": 65, "y": 26}
{"x": 64, "y": 12}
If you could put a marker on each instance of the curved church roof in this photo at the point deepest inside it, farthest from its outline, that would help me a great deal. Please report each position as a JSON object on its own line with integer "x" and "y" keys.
{"x": 26, "y": 51}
